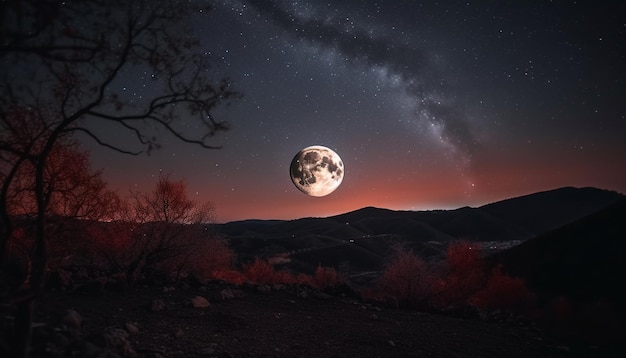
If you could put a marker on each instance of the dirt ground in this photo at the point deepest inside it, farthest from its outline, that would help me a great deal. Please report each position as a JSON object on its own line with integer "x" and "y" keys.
{"x": 264, "y": 321}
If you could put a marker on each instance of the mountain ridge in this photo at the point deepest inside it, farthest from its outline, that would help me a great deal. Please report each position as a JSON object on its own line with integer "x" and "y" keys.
{"x": 366, "y": 235}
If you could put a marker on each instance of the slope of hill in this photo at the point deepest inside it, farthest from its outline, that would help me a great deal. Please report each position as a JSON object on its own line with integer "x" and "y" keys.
{"x": 374, "y": 230}
{"x": 538, "y": 213}
{"x": 577, "y": 272}
{"x": 584, "y": 260}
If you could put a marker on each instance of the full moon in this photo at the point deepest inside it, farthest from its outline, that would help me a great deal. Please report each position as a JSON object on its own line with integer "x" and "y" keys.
{"x": 316, "y": 170}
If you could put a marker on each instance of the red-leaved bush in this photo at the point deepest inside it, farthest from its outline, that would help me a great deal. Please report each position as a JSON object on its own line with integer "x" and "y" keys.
{"x": 460, "y": 280}
{"x": 462, "y": 275}
{"x": 503, "y": 292}
{"x": 284, "y": 277}
{"x": 462, "y": 256}
{"x": 304, "y": 279}
{"x": 560, "y": 308}
{"x": 263, "y": 272}
{"x": 259, "y": 271}
{"x": 229, "y": 275}
{"x": 408, "y": 278}
{"x": 325, "y": 277}
{"x": 208, "y": 255}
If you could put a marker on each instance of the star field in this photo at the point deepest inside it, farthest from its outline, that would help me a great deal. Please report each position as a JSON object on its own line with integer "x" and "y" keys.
{"x": 430, "y": 105}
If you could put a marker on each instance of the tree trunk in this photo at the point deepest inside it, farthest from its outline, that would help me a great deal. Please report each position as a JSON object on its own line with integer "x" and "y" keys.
{"x": 6, "y": 222}
{"x": 23, "y": 328}
{"x": 6, "y": 229}
{"x": 134, "y": 269}
{"x": 24, "y": 316}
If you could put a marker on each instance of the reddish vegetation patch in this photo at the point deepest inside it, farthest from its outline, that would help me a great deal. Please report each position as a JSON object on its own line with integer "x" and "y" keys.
{"x": 460, "y": 280}
{"x": 264, "y": 273}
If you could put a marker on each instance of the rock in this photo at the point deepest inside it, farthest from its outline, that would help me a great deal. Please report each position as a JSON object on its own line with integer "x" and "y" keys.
{"x": 229, "y": 294}
{"x": 391, "y": 343}
{"x": 264, "y": 288}
{"x": 115, "y": 336}
{"x": 132, "y": 328}
{"x": 302, "y": 291}
{"x": 72, "y": 320}
{"x": 207, "y": 351}
{"x": 343, "y": 290}
{"x": 279, "y": 287}
{"x": 157, "y": 305}
{"x": 321, "y": 295}
{"x": 179, "y": 333}
{"x": 117, "y": 339}
{"x": 302, "y": 294}
{"x": 200, "y": 302}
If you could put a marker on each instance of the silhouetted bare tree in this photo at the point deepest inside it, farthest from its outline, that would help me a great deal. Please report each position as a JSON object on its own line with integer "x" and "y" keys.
{"x": 74, "y": 196}
{"x": 77, "y": 197}
{"x": 170, "y": 234}
{"x": 64, "y": 68}
{"x": 72, "y": 189}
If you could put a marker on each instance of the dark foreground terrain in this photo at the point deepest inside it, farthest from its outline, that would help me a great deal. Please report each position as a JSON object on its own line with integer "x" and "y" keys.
{"x": 276, "y": 321}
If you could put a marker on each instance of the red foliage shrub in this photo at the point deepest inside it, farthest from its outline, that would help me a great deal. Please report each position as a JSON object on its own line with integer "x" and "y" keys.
{"x": 259, "y": 271}
{"x": 408, "y": 278}
{"x": 228, "y": 275}
{"x": 262, "y": 272}
{"x": 462, "y": 256}
{"x": 462, "y": 275}
{"x": 325, "y": 277}
{"x": 210, "y": 254}
{"x": 503, "y": 292}
{"x": 561, "y": 308}
{"x": 303, "y": 279}
{"x": 284, "y": 277}
{"x": 460, "y": 280}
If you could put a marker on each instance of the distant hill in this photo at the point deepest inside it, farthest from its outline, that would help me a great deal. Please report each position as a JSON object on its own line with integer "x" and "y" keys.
{"x": 360, "y": 240}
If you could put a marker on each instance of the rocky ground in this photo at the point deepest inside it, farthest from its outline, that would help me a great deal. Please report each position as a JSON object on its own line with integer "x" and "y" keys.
{"x": 218, "y": 320}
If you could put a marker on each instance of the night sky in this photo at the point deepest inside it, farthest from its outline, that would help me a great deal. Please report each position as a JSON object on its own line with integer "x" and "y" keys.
{"x": 431, "y": 105}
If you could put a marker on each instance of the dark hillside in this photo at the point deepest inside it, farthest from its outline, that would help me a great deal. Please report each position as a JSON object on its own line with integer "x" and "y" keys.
{"x": 376, "y": 229}
{"x": 538, "y": 213}
{"x": 473, "y": 224}
{"x": 585, "y": 260}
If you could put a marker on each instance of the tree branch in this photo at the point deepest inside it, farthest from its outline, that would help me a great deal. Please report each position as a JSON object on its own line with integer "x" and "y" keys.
{"x": 100, "y": 142}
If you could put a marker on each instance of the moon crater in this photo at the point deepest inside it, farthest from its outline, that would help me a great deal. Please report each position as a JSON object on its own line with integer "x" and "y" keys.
{"x": 317, "y": 170}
